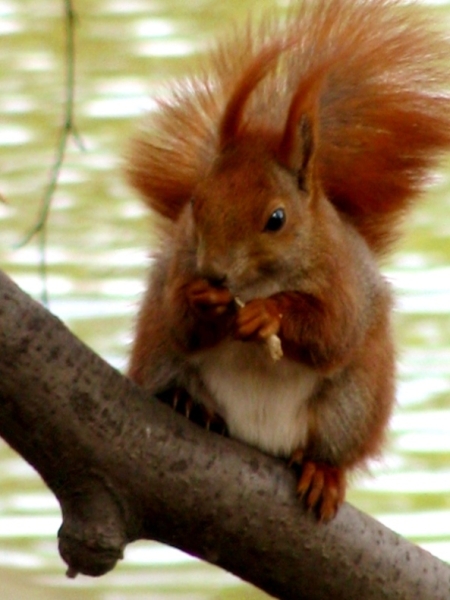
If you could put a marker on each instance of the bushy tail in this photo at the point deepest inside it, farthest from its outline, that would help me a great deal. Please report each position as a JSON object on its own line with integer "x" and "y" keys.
{"x": 378, "y": 73}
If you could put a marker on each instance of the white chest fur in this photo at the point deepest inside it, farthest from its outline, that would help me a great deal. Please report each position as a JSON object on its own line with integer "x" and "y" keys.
{"x": 264, "y": 402}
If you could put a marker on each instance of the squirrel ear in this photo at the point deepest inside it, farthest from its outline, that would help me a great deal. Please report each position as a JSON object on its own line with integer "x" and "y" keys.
{"x": 297, "y": 148}
{"x": 298, "y": 144}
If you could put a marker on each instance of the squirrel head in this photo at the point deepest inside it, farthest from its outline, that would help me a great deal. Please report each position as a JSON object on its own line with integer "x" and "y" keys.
{"x": 254, "y": 210}
{"x": 253, "y": 216}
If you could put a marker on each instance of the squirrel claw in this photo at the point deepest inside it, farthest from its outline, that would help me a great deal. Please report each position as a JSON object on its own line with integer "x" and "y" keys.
{"x": 320, "y": 486}
{"x": 181, "y": 402}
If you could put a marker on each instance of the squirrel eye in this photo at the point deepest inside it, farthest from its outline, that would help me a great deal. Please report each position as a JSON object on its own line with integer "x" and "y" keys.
{"x": 276, "y": 220}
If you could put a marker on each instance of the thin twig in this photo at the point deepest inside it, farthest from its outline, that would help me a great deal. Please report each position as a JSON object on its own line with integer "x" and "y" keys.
{"x": 68, "y": 130}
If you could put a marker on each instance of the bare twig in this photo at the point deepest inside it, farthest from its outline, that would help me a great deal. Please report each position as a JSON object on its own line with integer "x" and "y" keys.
{"x": 68, "y": 130}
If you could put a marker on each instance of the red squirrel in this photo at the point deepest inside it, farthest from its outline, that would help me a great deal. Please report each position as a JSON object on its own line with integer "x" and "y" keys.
{"x": 282, "y": 172}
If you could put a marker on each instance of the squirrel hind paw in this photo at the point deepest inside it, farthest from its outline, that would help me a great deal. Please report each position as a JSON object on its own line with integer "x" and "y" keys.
{"x": 321, "y": 487}
{"x": 181, "y": 402}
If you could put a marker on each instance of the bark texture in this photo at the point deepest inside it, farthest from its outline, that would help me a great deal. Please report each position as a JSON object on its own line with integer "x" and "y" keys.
{"x": 125, "y": 467}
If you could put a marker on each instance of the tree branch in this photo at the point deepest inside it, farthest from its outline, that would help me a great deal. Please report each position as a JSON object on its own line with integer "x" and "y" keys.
{"x": 125, "y": 467}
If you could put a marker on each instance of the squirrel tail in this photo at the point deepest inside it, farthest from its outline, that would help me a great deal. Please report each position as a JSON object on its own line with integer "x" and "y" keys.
{"x": 376, "y": 76}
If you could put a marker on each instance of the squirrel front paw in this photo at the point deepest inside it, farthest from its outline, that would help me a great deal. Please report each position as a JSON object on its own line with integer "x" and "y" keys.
{"x": 258, "y": 320}
{"x": 208, "y": 301}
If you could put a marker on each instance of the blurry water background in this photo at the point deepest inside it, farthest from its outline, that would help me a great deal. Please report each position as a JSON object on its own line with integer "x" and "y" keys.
{"x": 98, "y": 237}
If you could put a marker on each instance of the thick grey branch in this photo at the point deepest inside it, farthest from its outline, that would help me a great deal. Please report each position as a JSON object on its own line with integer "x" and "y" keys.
{"x": 124, "y": 466}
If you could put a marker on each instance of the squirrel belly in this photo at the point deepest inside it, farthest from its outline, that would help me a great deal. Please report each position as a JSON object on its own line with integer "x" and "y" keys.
{"x": 264, "y": 403}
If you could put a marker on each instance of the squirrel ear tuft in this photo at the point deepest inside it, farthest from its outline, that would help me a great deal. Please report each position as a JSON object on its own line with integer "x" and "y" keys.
{"x": 260, "y": 65}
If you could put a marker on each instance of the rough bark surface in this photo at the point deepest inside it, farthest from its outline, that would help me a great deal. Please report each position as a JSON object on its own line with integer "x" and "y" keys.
{"x": 124, "y": 467}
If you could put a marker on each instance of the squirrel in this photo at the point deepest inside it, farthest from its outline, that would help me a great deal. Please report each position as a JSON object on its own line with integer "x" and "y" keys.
{"x": 282, "y": 172}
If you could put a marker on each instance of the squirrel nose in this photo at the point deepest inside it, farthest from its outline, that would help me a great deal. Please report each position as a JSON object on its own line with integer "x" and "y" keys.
{"x": 213, "y": 274}
{"x": 211, "y": 268}
{"x": 217, "y": 281}
{"x": 215, "y": 278}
